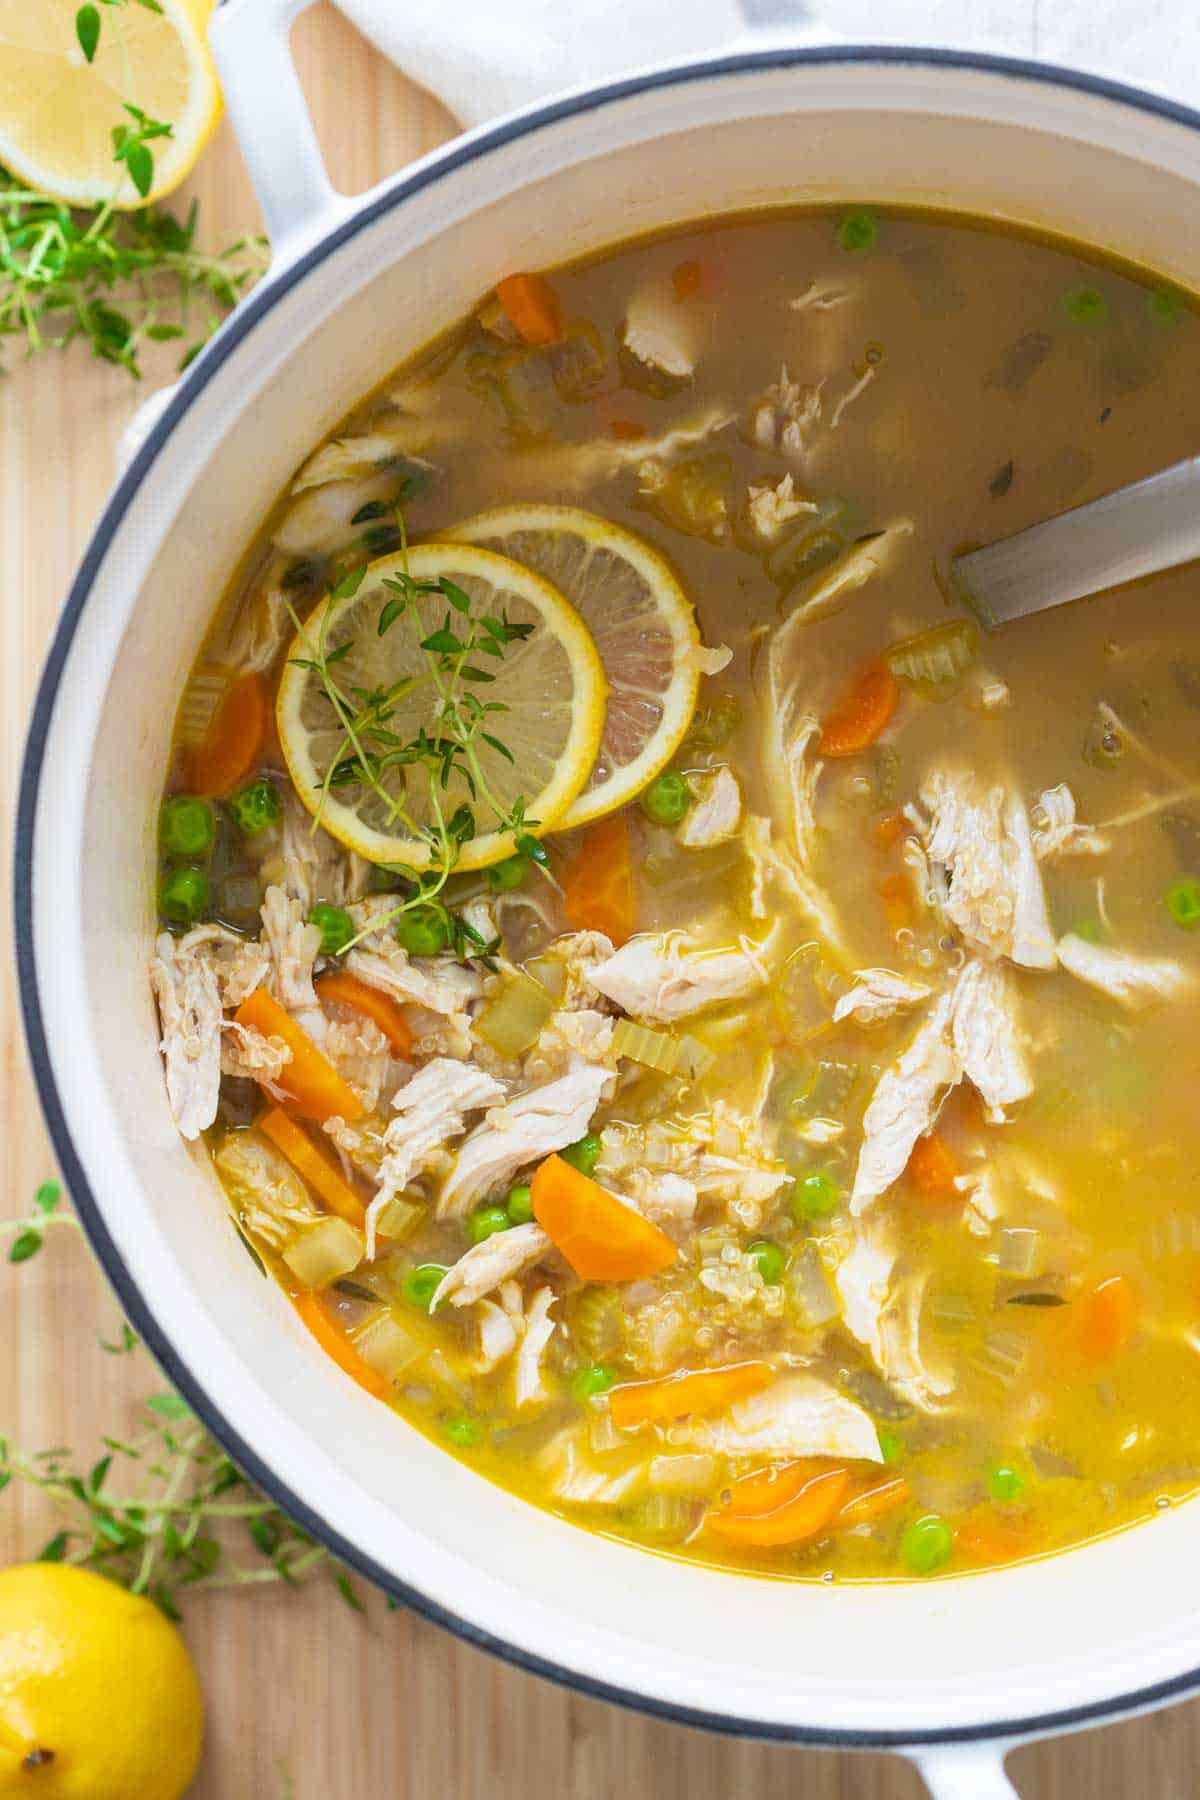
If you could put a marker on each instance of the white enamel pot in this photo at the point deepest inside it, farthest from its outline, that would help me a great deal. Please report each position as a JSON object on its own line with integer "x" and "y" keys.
{"x": 951, "y": 1672}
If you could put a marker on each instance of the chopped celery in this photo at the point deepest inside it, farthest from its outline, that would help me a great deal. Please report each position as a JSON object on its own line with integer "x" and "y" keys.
{"x": 598, "y": 1323}
{"x": 668, "y": 1518}
{"x": 323, "y": 1252}
{"x": 692, "y": 495}
{"x": 1019, "y": 1251}
{"x": 937, "y": 657}
{"x": 660, "y": 1051}
{"x": 386, "y": 1345}
{"x": 578, "y": 364}
{"x": 510, "y": 1021}
{"x": 399, "y": 1218}
{"x": 687, "y": 1475}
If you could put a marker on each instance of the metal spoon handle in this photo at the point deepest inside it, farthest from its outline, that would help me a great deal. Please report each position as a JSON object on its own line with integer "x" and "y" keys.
{"x": 1153, "y": 524}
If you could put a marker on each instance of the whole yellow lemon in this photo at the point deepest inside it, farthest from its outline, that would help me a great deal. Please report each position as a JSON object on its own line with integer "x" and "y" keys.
{"x": 98, "y": 1696}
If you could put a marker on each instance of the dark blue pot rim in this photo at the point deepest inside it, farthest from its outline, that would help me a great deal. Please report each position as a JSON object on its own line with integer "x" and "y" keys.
{"x": 137, "y": 1308}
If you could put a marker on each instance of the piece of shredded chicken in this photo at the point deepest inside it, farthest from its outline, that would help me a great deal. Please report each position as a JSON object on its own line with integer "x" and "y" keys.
{"x": 663, "y": 979}
{"x": 716, "y": 815}
{"x": 185, "y": 985}
{"x": 1135, "y": 982}
{"x": 878, "y": 994}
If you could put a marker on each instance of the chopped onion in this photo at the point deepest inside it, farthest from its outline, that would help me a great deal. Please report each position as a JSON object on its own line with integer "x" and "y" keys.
{"x": 324, "y": 1252}
{"x": 510, "y": 1022}
{"x": 812, "y": 1294}
{"x": 1003, "y": 1355}
{"x": 684, "y": 1475}
{"x": 951, "y": 1312}
{"x": 667, "y": 1517}
{"x": 1019, "y": 1251}
{"x": 602, "y": 1432}
{"x": 387, "y": 1346}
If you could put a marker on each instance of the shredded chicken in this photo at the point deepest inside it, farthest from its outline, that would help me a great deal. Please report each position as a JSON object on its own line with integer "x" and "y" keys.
{"x": 269, "y": 1198}
{"x": 884, "y": 1313}
{"x": 786, "y": 418}
{"x": 660, "y": 334}
{"x": 798, "y": 1415}
{"x": 905, "y": 1104}
{"x": 311, "y": 865}
{"x": 430, "y": 1115}
{"x": 294, "y": 945}
{"x": 246, "y": 1053}
{"x": 189, "y": 1010}
{"x": 660, "y": 979}
{"x": 987, "y": 1037}
{"x": 361, "y": 1054}
{"x": 526, "y": 1130}
{"x": 438, "y": 986}
{"x": 530, "y": 1386}
{"x": 770, "y": 509}
{"x": 486, "y": 1265}
{"x": 717, "y": 813}
{"x": 981, "y": 838}
{"x": 1056, "y": 831}
{"x": 567, "y": 1036}
{"x": 1136, "y": 982}
{"x": 878, "y": 994}
{"x": 870, "y": 556}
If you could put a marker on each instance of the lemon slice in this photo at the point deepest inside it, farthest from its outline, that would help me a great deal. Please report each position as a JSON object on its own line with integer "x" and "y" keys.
{"x": 548, "y": 688}
{"x": 642, "y": 624}
{"x": 58, "y": 111}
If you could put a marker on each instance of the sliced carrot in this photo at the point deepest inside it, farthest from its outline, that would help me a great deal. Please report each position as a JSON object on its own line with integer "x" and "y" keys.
{"x": 348, "y": 990}
{"x": 806, "y": 1513}
{"x": 697, "y": 1392}
{"x": 766, "y": 1490}
{"x": 626, "y": 431}
{"x": 233, "y": 743}
{"x": 688, "y": 279}
{"x": 896, "y": 894}
{"x": 1107, "y": 1318}
{"x": 531, "y": 308}
{"x": 891, "y": 829}
{"x": 873, "y": 1501}
{"x": 307, "y": 1160}
{"x": 601, "y": 1237}
{"x": 934, "y": 1168}
{"x": 309, "y": 1080}
{"x": 987, "y": 1536}
{"x": 598, "y": 881}
{"x": 335, "y": 1343}
{"x": 864, "y": 711}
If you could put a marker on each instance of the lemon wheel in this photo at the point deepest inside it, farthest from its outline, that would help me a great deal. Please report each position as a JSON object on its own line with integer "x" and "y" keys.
{"x": 643, "y": 626}
{"x": 58, "y": 111}
{"x": 537, "y": 744}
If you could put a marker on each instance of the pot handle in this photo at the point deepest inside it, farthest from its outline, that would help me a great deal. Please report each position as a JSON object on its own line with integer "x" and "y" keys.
{"x": 964, "y": 1772}
{"x": 250, "y": 42}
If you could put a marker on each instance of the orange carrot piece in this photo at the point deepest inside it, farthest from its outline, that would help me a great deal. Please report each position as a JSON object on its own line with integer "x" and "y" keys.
{"x": 986, "y": 1536}
{"x": 934, "y": 1168}
{"x": 697, "y": 1392}
{"x": 1107, "y": 1318}
{"x": 808, "y": 1512}
{"x": 862, "y": 713}
{"x": 601, "y": 1237}
{"x": 626, "y": 431}
{"x": 306, "y": 1159}
{"x": 310, "y": 1081}
{"x": 233, "y": 743}
{"x": 531, "y": 307}
{"x": 598, "y": 881}
{"x": 891, "y": 829}
{"x": 335, "y": 1343}
{"x": 688, "y": 279}
{"x": 896, "y": 894}
{"x": 348, "y": 990}
{"x": 766, "y": 1490}
{"x": 873, "y": 1501}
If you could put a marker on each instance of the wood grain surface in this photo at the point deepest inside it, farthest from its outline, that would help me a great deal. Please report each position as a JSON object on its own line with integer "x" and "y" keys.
{"x": 308, "y": 1701}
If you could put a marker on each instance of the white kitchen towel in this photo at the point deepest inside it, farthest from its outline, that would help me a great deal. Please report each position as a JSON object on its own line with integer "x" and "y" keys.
{"x": 484, "y": 57}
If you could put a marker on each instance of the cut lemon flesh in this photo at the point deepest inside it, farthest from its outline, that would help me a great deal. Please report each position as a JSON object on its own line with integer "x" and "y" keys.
{"x": 58, "y": 111}
{"x": 643, "y": 625}
{"x": 548, "y": 688}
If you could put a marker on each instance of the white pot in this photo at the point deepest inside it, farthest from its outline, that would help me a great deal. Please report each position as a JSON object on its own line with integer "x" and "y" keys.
{"x": 952, "y": 1671}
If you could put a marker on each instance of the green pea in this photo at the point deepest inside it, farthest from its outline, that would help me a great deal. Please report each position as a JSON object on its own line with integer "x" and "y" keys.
{"x": 858, "y": 229}
{"x": 770, "y": 1260}
{"x": 184, "y": 895}
{"x": 186, "y": 826}
{"x": 926, "y": 1544}
{"x": 422, "y": 930}
{"x": 1085, "y": 306}
{"x": 1183, "y": 902}
{"x": 1089, "y": 929}
{"x": 464, "y": 1433}
{"x": 335, "y": 925}
{"x": 667, "y": 799}
{"x": 1166, "y": 306}
{"x": 486, "y": 1221}
{"x": 256, "y": 807}
{"x": 421, "y": 1283}
{"x": 590, "y": 1380}
{"x": 815, "y": 1195}
{"x": 891, "y": 1446}
{"x": 1004, "y": 1482}
{"x": 504, "y": 876}
{"x": 519, "y": 1204}
{"x": 583, "y": 1155}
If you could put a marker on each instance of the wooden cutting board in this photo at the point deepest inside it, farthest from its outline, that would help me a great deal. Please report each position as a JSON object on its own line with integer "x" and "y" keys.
{"x": 307, "y": 1700}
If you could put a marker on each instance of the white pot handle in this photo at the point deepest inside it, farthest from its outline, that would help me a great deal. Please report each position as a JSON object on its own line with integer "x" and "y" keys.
{"x": 965, "y": 1772}
{"x": 251, "y": 45}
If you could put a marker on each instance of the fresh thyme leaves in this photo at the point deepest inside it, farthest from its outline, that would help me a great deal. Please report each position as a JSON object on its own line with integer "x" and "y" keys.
{"x": 116, "y": 280}
{"x": 30, "y": 1231}
{"x": 164, "y": 1510}
{"x": 131, "y": 146}
{"x": 87, "y": 23}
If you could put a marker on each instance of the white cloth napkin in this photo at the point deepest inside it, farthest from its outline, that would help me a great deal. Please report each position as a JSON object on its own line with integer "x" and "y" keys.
{"x": 485, "y": 57}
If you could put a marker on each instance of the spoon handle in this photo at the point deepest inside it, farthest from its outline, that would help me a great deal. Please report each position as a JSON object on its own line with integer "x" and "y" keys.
{"x": 1151, "y": 525}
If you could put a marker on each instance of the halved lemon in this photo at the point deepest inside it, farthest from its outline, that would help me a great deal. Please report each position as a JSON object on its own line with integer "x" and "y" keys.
{"x": 547, "y": 691}
{"x": 58, "y": 111}
{"x": 641, "y": 621}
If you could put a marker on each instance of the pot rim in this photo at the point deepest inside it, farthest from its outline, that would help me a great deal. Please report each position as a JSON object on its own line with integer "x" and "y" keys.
{"x": 261, "y": 301}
